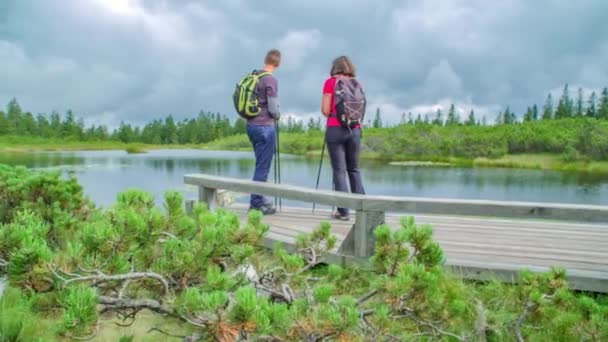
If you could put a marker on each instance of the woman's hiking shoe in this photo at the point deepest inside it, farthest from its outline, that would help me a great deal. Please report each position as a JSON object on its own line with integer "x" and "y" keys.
{"x": 337, "y": 216}
{"x": 267, "y": 209}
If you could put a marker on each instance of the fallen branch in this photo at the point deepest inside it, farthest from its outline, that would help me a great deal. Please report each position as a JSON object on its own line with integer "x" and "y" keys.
{"x": 168, "y": 334}
{"x": 88, "y": 337}
{"x": 135, "y": 275}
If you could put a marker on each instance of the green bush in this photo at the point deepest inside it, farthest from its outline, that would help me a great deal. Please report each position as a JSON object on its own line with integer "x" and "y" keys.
{"x": 205, "y": 270}
{"x": 588, "y": 136}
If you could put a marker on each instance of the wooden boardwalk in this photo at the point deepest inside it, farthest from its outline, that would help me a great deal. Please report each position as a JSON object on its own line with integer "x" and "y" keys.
{"x": 480, "y": 239}
{"x": 482, "y": 248}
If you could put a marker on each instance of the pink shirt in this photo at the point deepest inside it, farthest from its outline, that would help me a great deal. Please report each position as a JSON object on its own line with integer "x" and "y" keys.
{"x": 328, "y": 88}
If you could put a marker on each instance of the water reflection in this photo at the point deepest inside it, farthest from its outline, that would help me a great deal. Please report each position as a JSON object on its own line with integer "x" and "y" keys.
{"x": 104, "y": 174}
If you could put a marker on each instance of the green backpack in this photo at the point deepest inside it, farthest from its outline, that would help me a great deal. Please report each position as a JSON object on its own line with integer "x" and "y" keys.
{"x": 245, "y": 96}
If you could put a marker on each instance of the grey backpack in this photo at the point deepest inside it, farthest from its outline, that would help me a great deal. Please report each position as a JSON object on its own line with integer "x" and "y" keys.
{"x": 349, "y": 99}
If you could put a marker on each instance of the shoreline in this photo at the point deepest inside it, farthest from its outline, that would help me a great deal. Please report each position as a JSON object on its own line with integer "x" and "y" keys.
{"x": 549, "y": 162}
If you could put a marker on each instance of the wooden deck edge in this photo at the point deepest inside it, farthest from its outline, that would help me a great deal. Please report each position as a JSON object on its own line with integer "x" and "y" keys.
{"x": 577, "y": 280}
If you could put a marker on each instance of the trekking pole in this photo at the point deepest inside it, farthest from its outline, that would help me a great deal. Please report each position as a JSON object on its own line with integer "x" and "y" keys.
{"x": 274, "y": 163}
{"x": 319, "y": 172}
{"x": 278, "y": 161}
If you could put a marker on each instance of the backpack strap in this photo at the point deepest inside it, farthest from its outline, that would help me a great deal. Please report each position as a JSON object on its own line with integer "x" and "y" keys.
{"x": 260, "y": 74}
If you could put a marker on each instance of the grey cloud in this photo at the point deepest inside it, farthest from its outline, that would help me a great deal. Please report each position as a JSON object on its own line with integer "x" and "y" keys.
{"x": 159, "y": 56}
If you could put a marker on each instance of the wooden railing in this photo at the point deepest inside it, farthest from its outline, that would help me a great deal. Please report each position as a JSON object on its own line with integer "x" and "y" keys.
{"x": 370, "y": 210}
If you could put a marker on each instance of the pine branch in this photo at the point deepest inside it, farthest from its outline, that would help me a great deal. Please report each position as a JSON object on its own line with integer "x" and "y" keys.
{"x": 169, "y": 235}
{"x": 530, "y": 307}
{"x": 481, "y": 324}
{"x": 116, "y": 304}
{"x": 125, "y": 284}
{"x": 366, "y": 297}
{"x": 135, "y": 275}
{"x": 396, "y": 261}
{"x": 429, "y": 324}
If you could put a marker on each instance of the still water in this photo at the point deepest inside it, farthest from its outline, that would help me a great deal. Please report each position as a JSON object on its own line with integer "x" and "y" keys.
{"x": 104, "y": 174}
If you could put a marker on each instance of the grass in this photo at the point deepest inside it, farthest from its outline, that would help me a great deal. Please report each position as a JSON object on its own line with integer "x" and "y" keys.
{"x": 543, "y": 162}
{"x": 241, "y": 143}
{"x": 28, "y": 144}
{"x": 19, "y": 321}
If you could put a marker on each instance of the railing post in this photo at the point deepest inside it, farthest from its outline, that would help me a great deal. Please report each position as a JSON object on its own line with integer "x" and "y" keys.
{"x": 208, "y": 196}
{"x": 360, "y": 240}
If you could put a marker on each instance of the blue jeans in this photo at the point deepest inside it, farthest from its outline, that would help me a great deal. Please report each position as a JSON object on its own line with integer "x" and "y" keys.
{"x": 263, "y": 139}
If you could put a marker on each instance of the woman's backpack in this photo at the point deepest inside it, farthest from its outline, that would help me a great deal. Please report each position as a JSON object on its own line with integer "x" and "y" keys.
{"x": 350, "y": 102}
{"x": 245, "y": 96}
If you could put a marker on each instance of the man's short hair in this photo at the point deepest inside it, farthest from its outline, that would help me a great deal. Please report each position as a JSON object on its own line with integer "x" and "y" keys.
{"x": 273, "y": 57}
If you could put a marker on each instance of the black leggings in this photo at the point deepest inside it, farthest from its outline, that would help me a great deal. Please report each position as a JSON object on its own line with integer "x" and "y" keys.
{"x": 344, "y": 147}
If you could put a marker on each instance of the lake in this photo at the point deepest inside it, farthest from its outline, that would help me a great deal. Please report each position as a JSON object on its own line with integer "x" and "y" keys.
{"x": 104, "y": 174}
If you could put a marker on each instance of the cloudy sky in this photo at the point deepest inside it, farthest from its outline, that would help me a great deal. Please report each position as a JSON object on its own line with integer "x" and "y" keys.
{"x": 134, "y": 60}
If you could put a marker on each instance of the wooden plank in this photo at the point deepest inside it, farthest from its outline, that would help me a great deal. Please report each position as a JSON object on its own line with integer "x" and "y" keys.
{"x": 293, "y": 192}
{"x": 442, "y": 206}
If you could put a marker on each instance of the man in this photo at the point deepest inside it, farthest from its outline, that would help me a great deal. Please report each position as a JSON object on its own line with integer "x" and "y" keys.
{"x": 261, "y": 129}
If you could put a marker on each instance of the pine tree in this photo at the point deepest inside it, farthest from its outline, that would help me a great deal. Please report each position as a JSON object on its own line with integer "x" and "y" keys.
{"x": 13, "y": 115}
{"x": 579, "y": 103}
{"x": 418, "y": 120}
{"x": 311, "y": 124}
{"x": 508, "y": 117}
{"x": 603, "y": 105}
{"x": 410, "y": 118}
{"x": 56, "y": 124}
{"x": 453, "y": 118}
{"x": 4, "y": 126}
{"x": 564, "y": 106}
{"x": 499, "y": 119}
{"x": 67, "y": 127}
{"x": 438, "y": 118}
{"x": 528, "y": 115}
{"x": 169, "y": 133}
{"x": 377, "y": 119}
{"x": 548, "y": 108}
{"x": 427, "y": 119}
{"x": 125, "y": 133}
{"x": 44, "y": 127}
{"x": 28, "y": 124}
{"x": 591, "y": 107}
{"x": 534, "y": 112}
{"x": 471, "y": 119}
{"x": 403, "y": 119}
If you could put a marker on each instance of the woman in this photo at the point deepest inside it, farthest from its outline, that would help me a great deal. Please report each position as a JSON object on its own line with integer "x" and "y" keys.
{"x": 343, "y": 143}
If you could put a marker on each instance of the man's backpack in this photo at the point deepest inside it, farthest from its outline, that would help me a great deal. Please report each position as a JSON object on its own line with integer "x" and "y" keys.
{"x": 245, "y": 96}
{"x": 350, "y": 102}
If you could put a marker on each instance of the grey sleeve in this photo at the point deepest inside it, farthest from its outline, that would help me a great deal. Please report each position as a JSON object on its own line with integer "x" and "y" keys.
{"x": 273, "y": 107}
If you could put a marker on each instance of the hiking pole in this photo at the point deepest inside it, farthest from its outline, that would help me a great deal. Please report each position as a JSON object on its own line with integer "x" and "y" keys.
{"x": 319, "y": 172}
{"x": 274, "y": 163}
{"x": 278, "y": 161}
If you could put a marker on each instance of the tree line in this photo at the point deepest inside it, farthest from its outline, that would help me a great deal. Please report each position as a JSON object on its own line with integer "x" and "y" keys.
{"x": 566, "y": 107}
{"x": 209, "y": 126}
